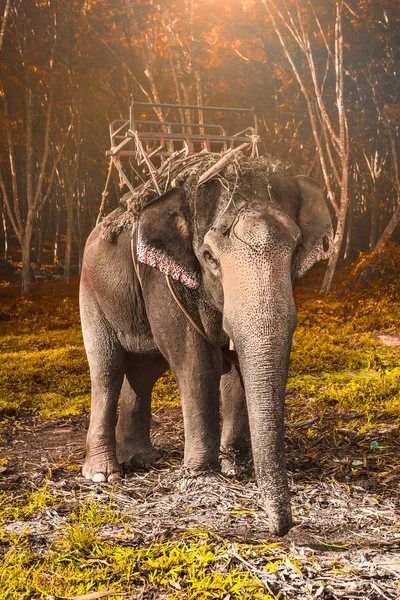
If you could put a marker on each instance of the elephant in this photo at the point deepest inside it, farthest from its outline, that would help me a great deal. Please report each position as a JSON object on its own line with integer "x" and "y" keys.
{"x": 203, "y": 266}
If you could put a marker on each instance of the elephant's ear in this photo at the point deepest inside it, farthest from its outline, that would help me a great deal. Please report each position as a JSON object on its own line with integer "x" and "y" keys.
{"x": 316, "y": 226}
{"x": 165, "y": 240}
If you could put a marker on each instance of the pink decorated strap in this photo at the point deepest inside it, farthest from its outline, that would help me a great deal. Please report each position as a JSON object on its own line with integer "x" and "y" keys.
{"x": 156, "y": 258}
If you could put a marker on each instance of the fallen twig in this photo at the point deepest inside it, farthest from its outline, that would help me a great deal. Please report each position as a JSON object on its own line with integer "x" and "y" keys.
{"x": 98, "y": 595}
{"x": 260, "y": 575}
{"x": 301, "y": 424}
{"x": 226, "y": 158}
{"x": 379, "y": 591}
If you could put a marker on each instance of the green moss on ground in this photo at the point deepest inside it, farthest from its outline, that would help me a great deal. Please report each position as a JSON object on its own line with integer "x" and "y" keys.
{"x": 196, "y": 565}
{"x": 335, "y": 359}
{"x": 165, "y": 392}
{"x": 44, "y": 368}
{"x": 24, "y": 505}
{"x": 79, "y": 564}
{"x": 51, "y": 381}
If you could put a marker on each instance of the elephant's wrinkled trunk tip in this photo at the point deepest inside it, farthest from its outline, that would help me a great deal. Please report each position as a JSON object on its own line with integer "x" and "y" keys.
{"x": 279, "y": 513}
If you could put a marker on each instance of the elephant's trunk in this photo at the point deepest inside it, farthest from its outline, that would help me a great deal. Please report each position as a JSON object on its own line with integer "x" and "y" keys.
{"x": 263, "y": 342}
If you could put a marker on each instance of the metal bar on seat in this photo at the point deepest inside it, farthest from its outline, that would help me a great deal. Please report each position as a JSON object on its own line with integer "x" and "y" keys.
{"x": 217, "y": 108}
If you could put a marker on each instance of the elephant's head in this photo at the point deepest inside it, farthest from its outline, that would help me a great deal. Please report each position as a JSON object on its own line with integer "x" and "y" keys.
{"x": 245, "y": 251}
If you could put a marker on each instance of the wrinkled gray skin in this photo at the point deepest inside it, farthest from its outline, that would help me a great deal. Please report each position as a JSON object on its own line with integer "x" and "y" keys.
{"x": 243, "y": 259}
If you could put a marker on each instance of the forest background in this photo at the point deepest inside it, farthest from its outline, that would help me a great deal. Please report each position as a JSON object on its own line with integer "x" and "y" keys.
{"x": 323, "y": 77}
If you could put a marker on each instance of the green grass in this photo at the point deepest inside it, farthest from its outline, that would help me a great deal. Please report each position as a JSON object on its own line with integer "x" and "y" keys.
{"x": 165, "y": 392}
{"x": 25, "y": 505}
{"x": 85, "y": 512}
{"x": 366, "y": 392}
{"x": 198, "y": 566}
{"x": 337, "y": 362}
{"x": 44, "y": 368}
{"x": 51, "y": 381}
{"x": 49, "y": 375}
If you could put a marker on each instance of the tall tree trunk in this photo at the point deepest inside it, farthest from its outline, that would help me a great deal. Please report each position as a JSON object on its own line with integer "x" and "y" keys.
{"x": 4, "y": 21}
{"x": 68, "y": 245}
{"x": 332, "y": 144}
{"x": 389, "y": 229}
{"x": 374, "y": 220}
{"x": 4, "y": 223}
{"x": 38, "y": 173}
{"x": 80, "y": 223}
{"x": 57, "y": 237}
{"x": 26, "y": 282}
{"x": 337, "y": 244}
{"x": 39, "y": 243}
{"x": 349, "y": 232}
{"x": 389, "y": 128}
{"x": 81, "y": 249}
{"x": 199, "y": 91}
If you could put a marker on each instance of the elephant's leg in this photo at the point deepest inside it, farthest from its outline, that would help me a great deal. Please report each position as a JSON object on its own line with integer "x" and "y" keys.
{"x": 198, "y": 377}
{"x": 106, "y": 373}
{"x": 134, "y": 447}
{"x": 235, "y": 438}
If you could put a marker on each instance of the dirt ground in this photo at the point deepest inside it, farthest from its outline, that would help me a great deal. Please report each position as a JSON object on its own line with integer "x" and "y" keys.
{"x": 346, "y": 540}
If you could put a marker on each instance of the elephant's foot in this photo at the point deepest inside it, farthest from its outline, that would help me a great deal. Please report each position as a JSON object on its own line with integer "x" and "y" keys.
{"x": 137, "y": 456}
{"x": 101, "y": 466}
{"x": 236, "y": 462}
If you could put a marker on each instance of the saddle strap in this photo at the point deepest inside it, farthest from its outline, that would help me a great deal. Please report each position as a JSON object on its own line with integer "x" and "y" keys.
{"x": 228, "y": 354}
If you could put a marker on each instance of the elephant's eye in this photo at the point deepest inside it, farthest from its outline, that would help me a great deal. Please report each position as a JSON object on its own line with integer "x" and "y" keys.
{"x": 209, "y": 257}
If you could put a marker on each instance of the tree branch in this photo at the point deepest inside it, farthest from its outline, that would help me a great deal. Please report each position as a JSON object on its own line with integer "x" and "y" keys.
{"x": 123, "y": 63}
{"x": 14, "y": 181}
{"x": 307, "y": 98}
{"x": 9, "y": 209}
{"x": 4, "y": 22}
{"x": 39, "y": 186}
